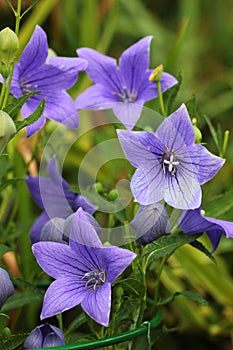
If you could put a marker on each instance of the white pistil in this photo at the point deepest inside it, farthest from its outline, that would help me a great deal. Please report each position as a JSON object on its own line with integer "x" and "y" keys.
{"x": 171, "y": 164}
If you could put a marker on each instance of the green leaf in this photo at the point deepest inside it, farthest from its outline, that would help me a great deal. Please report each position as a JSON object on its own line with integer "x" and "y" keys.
{"x": 133, "y": 286}
{"x": 13, "y": 342}
{"x": 166, "y": 245}
{"x": 10, "y": 182}
{"x": 21, "y": 299}
{"x": 219, "y": 205}
{"x": 198, "y": 245}
{"x": 191, "y": 106}
{"x": 4, "y": 249}
{"x": 32, "y": 118}
{"x": 13, "y": 108}
{"x": 213, "y": 133}
{"x": 190, "y": 294}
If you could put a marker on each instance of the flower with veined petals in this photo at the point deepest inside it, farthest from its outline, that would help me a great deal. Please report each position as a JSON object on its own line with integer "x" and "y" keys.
{"x": 170, "y": 165}
{"x": 152, "y": 221}
{"x": 84, "y": 271}
{"x": 44, "y": 336}
{"x": 52, "y": 194}
{"x": 52, "y": 77}
{"x": 124, "y": 88}
{"x": 193, "y": 221}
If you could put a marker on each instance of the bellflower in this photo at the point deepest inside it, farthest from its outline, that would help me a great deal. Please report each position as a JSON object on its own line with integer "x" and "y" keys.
{"x": 84, "y": 271}
{"x": 53, "y": 196}
{"x": 170, "y": 165}
{"x": 150, "y": 222}
{"x": 52, "y": 77}
{"x": 193, "y": 221}
{"x": 124, "y": 88}
{"x": 6, "y": 286}
{"x": 44, "y": 336}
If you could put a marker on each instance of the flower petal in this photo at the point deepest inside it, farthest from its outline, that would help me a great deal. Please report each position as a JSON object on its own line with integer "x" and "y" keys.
{"x": 176, "y": 131}
{"x": 148, "y": 186}
{"x": 57, "y": 259}
{"x": 141, "y": 148}
{"x": 35, "y": 53}
{"x": 101, "y": 69}
{"x": 182, "y": 190}
{"x": 82, "y": 232}
{"x": 70, "y": 68}
{"x": 115, "y": 261}
{"x": 207, "y": 164}
{"x": 96, "y": 97}
{"x": 134, "y": 62}
{"x": 34, "y": 340}
{"x": 53, "y": 230}
{"x": 63, "y": 294}
{"x": 36, "y": 229}
{"x": 127, "y": 113}
{"x": 97, "y": 304}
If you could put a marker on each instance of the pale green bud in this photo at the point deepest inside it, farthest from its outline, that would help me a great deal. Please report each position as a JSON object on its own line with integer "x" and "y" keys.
{"x": 9, "y": 45}
{"x": 197, "y": 133}
{"x": 112, "y": 195}
{"x": 7, "y": 129}
{"x": 156, "y": 74}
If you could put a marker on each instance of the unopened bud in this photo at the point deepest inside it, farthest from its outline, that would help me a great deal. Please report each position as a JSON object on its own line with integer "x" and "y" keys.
{"x": 9, "y": 45}
{"x": 6, "y": 286}
{"x": 4, "y": 70}
{"x": 197, "y": 133}
{"x": 7, "y": 129}
{"x": 98, "y": 187}
{"x": 156, "y": 74}
{"x": 6, "y": 333}
{"x": 112, "y": 195}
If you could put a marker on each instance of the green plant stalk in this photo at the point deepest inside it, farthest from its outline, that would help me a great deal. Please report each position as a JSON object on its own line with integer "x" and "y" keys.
{"x": 160, "y": 95}
{"x": 157, "y": 283}
{"x": 143, "y": 301}
{"x": 3, "y": 92}
{"x": 17, "y": 23}
{"x": 60, "y": 321}
{"x": 225, "y": 142}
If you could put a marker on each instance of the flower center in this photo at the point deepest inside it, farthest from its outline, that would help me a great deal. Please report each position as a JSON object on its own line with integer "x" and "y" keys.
{"x": 26, "y": 88}
{"x": 169, "y": 162}
{"x": 94, "y": 279}
{"x": 126, "y": 96}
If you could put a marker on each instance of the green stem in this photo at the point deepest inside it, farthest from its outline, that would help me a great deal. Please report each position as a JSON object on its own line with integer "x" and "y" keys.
{"x": 17, "y": 23}
{"x": 3, "y": 93}
{"x": 60, "y": 321}
{"x": 110, "y": 222}
{"x": 156, "y": 293}
{"x": 225, "y": 143}
{"x": 143, "y": 301}
{"x": 160, "y": 95}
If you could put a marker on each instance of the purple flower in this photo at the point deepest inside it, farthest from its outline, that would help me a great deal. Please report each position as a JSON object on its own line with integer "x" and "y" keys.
{"x": 170, "y": 165}
{"x": 51, "y": 77}
{"x": 84, "y": 271}
{"x": 193, "y": 221}
{"x": 6, "y": 286}
{"x": 44, "y": 336}
{"x": 53, "y": 196}
{"x": 150, "y": 223}
{"x": 123, "y": 88}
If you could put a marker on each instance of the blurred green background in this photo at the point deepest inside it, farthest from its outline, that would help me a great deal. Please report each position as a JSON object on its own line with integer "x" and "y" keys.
{"x": 194, "y": 37}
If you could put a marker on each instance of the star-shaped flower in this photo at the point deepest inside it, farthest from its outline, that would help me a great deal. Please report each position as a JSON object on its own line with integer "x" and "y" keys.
{"x": 124, "y": 88}
{"x": 52, "y": 194}
{"x": 170, "y": 165}
{"x": 52, "y": 77}
{"x": 84, "y": 271}
{"x": 193, "y": 221}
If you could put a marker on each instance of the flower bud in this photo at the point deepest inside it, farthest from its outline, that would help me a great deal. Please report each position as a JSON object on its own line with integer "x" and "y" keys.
{"x": 9, "y": 45}
{"x": 44, "y": 336}
{"x": 197, "y": 133}
{"x": 156, "y": 74}
{"x": 6, "y": 286}
{"x": 4, "y": 70}
{"x": 7, "y": 129}
{"x": 112, "y": 195}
